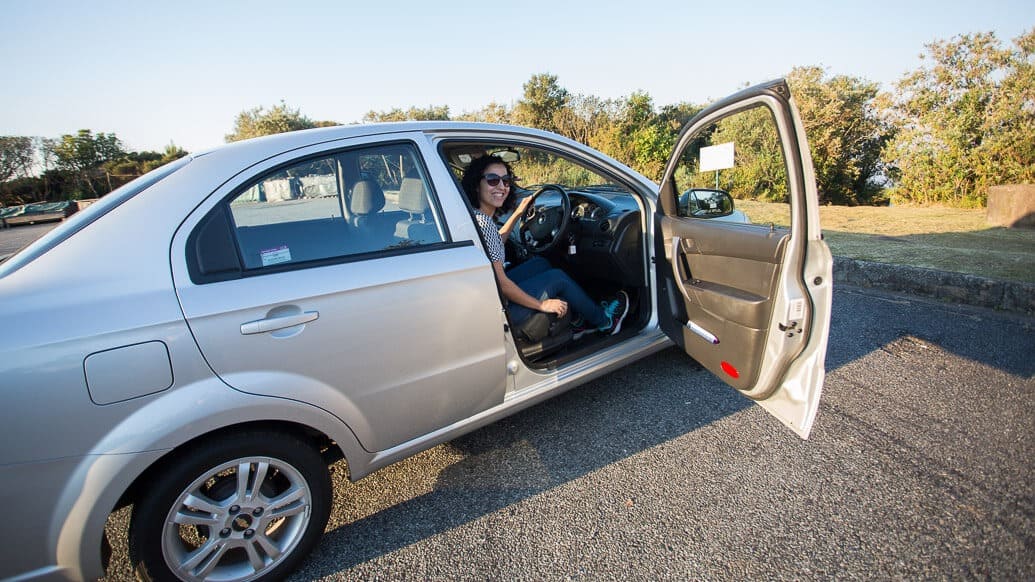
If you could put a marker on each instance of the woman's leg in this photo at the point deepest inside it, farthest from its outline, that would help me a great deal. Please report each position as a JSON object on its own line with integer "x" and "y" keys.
{"x": 529, "y": 269}
{"x": 555, "y": 283}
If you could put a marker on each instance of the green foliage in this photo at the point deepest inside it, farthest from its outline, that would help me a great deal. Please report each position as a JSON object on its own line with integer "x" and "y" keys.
{"x": 430, "y": 113}
{"x": 84, "y": 165}
{"x": 543, "y": 99}
{"x": 627, "y": 129}
{"x": 760, "y": 172}
{"x": 585, "y": 116}
{"x": 635, "y": 134}
{"x": 845, "y": 134}
{"x": 135, "y": 164}
{"x": 491, "y": 113}
{"x": 1008, "y": 147}
{"x": 82, "y": 156}
{"x": 280, "y": 118}
{"x": 83, "y": 151}
{"x": 965, "y": 121}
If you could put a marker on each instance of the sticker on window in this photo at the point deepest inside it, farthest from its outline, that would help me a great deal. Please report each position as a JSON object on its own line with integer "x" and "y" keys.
{"x": 280, "y": 254}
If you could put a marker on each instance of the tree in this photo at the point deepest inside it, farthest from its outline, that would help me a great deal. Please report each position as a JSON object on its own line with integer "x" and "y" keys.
{"x": 280, "y": 118}
{"x": 543, "y": 99}
{"x": 760, "y": 172}
{"x": 845, "y": 134}
{"x": 964, "y": 121}
{"x": 1009, "y": 125}
{"x": 430, "y": 113}
{"x": 585, "y": 116}
{"x": 17, "y": 154}
{"x": 636, "y": 135}
{"x": 491, "y": 113}
{"x": 81, "y": 156}
{"x": 171, "y": 153}
{"x": 134, "y": 164}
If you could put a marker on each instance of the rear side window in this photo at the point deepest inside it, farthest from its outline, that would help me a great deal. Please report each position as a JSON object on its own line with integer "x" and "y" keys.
{"x": 356, "y": 203}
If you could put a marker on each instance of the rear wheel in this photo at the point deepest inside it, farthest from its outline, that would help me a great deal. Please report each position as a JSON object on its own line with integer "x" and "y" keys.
{"x": 243, "y": 507}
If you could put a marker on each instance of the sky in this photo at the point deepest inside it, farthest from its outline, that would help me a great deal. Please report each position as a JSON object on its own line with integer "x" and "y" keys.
{"x": 156, "y": 73}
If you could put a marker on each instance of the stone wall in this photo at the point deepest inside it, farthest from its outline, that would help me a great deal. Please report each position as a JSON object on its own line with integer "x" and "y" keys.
{"x": 1012, "y": 296}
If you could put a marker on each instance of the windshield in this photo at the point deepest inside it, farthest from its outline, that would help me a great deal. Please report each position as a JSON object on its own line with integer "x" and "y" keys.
{"x": 83, "y": 218}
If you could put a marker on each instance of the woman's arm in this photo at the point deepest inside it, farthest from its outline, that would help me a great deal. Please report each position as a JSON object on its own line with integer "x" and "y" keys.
{"x": 514, "y": 216}
{"x": 516, "y": 294}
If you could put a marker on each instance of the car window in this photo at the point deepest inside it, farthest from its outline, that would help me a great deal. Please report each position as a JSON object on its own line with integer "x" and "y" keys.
{"x": 533, "y": 167}
{"x": 739, "y": 155}
{"x": 349, "y": 203}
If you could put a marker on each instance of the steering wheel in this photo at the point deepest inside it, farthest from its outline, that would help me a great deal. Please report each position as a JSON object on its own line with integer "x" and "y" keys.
{"x": 542, "y": 226}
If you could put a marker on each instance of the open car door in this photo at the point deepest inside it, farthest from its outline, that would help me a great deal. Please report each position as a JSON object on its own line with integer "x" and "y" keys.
{"x": 749, "y": 301}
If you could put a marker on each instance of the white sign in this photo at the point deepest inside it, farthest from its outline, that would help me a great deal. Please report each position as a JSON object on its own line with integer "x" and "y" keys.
{"x": 717, "y": 157}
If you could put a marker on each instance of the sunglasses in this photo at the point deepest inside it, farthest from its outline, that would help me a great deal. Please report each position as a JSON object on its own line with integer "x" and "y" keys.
{"x": 494, "y": 179}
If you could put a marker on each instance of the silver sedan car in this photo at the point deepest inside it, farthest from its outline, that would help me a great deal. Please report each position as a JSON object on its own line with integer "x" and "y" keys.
{"x": 202, "y": 342}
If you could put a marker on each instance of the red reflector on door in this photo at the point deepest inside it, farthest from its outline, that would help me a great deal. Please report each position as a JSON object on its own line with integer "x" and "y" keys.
{"x": 729, "y": 369}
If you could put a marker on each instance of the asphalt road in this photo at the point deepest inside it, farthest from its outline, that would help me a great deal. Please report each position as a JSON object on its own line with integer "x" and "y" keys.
{"x": 14, "y": 238}
{"x": 919, "y": 466}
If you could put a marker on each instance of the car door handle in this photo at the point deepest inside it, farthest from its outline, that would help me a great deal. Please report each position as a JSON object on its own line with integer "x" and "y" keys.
{"x": 280, "y": 322}
{"x": 677, "y": 270}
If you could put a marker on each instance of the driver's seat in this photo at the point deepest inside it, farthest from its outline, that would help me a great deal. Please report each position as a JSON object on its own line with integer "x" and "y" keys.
{"x": 543, "y": 334}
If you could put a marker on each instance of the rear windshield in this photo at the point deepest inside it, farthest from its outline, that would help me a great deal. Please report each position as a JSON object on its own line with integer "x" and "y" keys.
{"x": 85, "y": 217}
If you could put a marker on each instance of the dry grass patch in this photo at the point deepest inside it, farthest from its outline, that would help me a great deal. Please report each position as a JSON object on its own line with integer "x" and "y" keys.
{"x": 947, "y": 239}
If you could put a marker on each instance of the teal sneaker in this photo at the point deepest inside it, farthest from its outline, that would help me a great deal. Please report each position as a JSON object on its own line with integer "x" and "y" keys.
{"x": 616, "y": 309}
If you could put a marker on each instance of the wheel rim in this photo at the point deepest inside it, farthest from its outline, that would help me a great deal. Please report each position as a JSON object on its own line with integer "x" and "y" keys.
{"x": 237, "y": 521}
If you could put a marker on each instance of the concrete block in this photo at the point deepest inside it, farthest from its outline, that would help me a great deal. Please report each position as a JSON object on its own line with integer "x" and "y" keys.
{"x": 1012, "y": 206}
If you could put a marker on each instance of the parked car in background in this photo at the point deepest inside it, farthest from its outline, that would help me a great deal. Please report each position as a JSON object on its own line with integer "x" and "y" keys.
{"x": 203, "y": 341}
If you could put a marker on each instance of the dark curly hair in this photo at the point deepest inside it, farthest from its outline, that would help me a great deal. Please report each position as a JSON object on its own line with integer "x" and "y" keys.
{"x": 473, "y": 176}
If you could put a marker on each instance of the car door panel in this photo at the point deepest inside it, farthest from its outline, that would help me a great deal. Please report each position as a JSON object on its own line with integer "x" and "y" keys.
{"x": 729, "y": 273}
{"x": 397, "y": 342}
{"x": 727, "y": 298}
{"x": 750, "y": 302}
{"x": 373, "y": 341}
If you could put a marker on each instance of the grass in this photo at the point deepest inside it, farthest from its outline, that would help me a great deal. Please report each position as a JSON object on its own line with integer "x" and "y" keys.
{"x": 947, "y": 239}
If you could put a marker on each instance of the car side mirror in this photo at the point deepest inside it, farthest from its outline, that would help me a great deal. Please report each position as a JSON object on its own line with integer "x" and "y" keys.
{"x": 705, "y": 203}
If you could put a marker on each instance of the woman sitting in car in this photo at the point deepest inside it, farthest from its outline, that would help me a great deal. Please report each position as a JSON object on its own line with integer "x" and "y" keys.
{"x": 533, "y": 285}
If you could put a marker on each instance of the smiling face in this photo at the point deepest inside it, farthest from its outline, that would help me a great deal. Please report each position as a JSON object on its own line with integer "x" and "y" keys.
{"x": 491, "y": 198}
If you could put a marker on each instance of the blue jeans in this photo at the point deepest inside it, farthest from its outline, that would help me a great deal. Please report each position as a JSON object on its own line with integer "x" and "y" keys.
{"x": 540, "y": 280}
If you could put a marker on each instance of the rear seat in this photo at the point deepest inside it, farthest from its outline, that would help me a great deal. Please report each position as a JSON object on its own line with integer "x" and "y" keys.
{"x": 417, "y": 226}
{"x": 375, "y": 228}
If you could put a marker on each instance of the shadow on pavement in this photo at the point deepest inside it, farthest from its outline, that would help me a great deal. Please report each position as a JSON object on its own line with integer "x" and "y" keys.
{"x": 571, "y": 435}
{"x": 978, "y": 334}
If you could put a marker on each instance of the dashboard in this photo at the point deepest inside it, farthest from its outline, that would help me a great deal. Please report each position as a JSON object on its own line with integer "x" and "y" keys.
{"x": 608, "y": 237}
{"x": 587, "y": 210}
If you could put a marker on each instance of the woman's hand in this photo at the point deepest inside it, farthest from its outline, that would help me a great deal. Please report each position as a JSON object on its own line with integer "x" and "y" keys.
{"x": 523, "y": 205}
{"x": 514, "y": 216}
{"x": 557, "y": 306}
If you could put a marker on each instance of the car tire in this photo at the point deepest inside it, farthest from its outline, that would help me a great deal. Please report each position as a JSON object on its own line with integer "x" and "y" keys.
{"x": 244, "y": 506}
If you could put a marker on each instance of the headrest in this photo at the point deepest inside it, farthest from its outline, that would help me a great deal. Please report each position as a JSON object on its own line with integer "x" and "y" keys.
{"x": 411, "y": 196}
{"x": 367, "y": 198}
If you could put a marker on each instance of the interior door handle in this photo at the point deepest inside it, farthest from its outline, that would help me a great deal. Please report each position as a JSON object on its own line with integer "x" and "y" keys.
{"x": 677, "y": 271}
{"x": 279, "y": 322}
